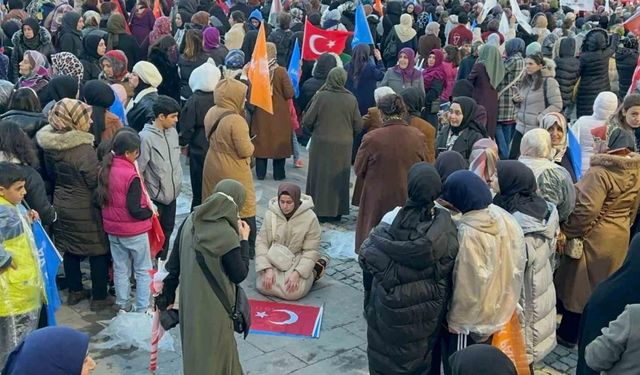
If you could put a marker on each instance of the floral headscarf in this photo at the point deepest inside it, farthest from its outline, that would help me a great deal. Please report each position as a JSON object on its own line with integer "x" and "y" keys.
{"x": 161, "y": 27}
{"x": 67, "y": 64}
{"x": 118, "y": 61}
{"x": 39, "y": 69}
{"x": 70, "y": 114}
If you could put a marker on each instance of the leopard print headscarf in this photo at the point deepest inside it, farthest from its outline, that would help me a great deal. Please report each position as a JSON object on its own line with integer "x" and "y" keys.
{"x": 67, "y": 64}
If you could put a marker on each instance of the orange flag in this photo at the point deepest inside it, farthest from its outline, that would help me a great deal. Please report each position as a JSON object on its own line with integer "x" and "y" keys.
{"x": 259, "y": 74}
{"x": 378, "y": 6}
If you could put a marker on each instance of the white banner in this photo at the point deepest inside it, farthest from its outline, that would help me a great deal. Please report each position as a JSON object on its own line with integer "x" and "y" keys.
{"x": 520, "y": 18}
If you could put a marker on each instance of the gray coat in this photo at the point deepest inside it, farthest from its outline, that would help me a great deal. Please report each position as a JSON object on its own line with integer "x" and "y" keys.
{"x": 617, "y": 350}
{"x": 159, "y": 163}
{"x": 539, "y": 295}
{"x": 394, "y": 80}
{"x": 533, "y": 104}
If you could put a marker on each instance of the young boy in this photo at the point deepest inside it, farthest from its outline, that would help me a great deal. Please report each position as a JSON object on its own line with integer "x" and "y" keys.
{"x": 159, "y": 163}
{"x": 20, "y": 280}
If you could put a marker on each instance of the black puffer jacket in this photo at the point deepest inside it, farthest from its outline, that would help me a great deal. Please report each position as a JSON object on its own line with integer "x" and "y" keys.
{"x": 626, "y": 59}
{"x": 567, "y": 69}
{"x": 594, "y": 69}
{"x": 321, "y": 69}
{"x": 192, "y": 122}
{"x": 187, "y": 66}
{"x": 409, "y": 293}
{"x": 142, "y": 111}
{"x": 30, "y": 122}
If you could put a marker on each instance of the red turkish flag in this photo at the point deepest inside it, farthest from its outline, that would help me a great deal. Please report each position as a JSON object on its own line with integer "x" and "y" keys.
{"x": 318, "y": 41}
{"x": 275, "y": 318}
{"x": 633, "y": 23}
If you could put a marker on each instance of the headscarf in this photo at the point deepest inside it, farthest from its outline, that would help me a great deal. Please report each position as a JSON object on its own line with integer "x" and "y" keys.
{"x": 70, "y": 24}
{"x": 293, "y": 191}
{"x": 148, "y": 73}
{"x": 100, "y": 97}
{"x": 67, "y": 64}
{"x": 53, "y": 21}
{"x": 547, "y": 122}
{"x": 211, "y": 38}
{"x": 39, "y": 70}
{"x": 462, "y": 87}
{"x": 518, "y": 190}
{"x": 533, "y": 48}
{"x": 414, "y": 100}
{"x": 481, "y": 359}
{"x": 115, "y": 27}
{"x": 448, "y": 162}
{"x": 410, "y": 72}
{"x": 336, "y": 79}
{"x": 119, "y": 62}
{"x": 514, "y": 46}
{"x": 494, "y": 65}
{"x": 272, "y": 58}
{"x": 404, "y": 29}
{"x": 536, "y": 143}
{"x": 483, "y": 158}
{"x": 609, "y": 300}
{"x": 466, "y": 191}
{"x": 61, "y": 87}
{"x": 424, "y": 187}
{"x": 161, "y": 27}
{"x": 436, "y": 72}
{"x": 359, "y": 59}
{"x": 468, "y": 107}
{"x": 381, "y": 92}
{"x": 35, "y": 26}
{"x": 70, "y": 114}
{"x": 216, "y": 220}
{"x": 234, "y": 59}
{"x": 50, "y": 350}
{"x": 91, "y": 15}
{"x": 90, "y": 43}
{"x": 432, "y": 28}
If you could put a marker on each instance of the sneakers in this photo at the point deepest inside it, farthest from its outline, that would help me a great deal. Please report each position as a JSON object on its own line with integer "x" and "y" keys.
{"x": 298, "y": 163}
{"x": 117, "y": 308}
{"x": 75, "y": 297}
{"x": 102, "y": 304}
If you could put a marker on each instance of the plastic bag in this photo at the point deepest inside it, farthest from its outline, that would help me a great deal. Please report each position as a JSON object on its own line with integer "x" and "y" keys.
{"x": 131, "y": 330}
{"x": 13, "y": 329}
{"x": 156, "y": 236}
{"x": 510, "y": 341}
{"x": 341, "y": 244}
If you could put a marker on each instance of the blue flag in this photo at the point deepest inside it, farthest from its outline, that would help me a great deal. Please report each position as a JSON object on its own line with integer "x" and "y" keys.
{"x": 49, "y": 260}
{"x": 361, "y": 33}
{"x": 430, "y": 17}
{"x": 474, "y": 24}
{"x": 295, "y": 68}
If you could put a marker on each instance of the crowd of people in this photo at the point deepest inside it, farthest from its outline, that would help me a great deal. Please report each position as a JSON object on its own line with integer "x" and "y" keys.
{"x": 493, "y": 147}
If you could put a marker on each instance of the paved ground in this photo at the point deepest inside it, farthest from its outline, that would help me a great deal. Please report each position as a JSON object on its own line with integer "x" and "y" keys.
{"x": 341, "y": 348}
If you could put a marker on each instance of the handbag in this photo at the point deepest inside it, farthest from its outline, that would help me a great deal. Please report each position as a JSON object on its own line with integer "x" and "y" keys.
{"x": 240, "y": 314}
{"x": 279, "y": 255}
{"x": 574, "y": 248}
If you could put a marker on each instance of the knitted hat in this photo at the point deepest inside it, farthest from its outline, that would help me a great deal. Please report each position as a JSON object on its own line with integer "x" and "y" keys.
{"x": 70, "y": 114}
{"x": 211, "y": 38}
{"x": 148, "y": 73}
{"x": 605, "y": 105}
{"x": 234, "y": 59}
{"x": 205, "y": 77}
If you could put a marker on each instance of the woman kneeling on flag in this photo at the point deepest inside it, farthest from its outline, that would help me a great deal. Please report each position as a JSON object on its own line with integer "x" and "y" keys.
{"x": 287, "y": 257}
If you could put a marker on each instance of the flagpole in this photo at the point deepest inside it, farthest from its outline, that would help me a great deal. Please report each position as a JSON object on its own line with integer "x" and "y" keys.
{"x": 304, "y": 37}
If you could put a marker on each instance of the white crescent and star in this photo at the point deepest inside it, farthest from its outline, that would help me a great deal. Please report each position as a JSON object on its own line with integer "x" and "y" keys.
{"x": 312, "y": 43}
{"x": 293, "y": 317}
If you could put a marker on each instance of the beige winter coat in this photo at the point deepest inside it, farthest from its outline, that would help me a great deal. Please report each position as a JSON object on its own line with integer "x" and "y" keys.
{"x": 234, "y": 37}
{"x": 301, "y": 235}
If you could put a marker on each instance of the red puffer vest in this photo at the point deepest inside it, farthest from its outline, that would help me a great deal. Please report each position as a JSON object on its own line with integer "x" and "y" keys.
{"x": 115, "y": 216}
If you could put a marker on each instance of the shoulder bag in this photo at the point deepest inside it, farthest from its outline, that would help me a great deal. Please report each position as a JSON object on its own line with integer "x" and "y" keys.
{"x": 215, "y": 124}
{"x": 279, "y": 255}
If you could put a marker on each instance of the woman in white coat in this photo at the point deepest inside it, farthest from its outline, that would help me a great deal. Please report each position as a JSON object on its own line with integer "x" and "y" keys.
{"x": 287, "y": 257}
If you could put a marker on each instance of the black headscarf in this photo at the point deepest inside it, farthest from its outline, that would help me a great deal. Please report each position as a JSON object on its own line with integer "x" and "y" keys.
{"x": 448, "y": 162}
{"x": 91, "y": 41}
{"x": 608, "y": 301}
{"x": 61, "y": 87}
{"x": 323, "y": 66}
{"x": 100, "y": 96}
{"x": 481, "y": 359}
{"x": 462, "y": 87}
{"x": 468, "y": 106}
{"x": 518, "y": 190}
{"x": 413, "y": 98}
{"x": 423, "y": 188}
{"x": 466, "y": 191}
{"x": 70, "y": 24}
{"x": 34, "y": 42}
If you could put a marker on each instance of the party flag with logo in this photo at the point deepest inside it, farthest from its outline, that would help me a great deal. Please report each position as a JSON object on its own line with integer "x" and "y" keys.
{"x": 259, "y": 74}
{"x": 361, "y": 33}
{"x": 295, "y": 65}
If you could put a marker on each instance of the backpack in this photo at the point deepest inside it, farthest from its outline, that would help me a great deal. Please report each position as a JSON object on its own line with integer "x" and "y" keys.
{"x": 390, "y": 52}
{"x": 283, "y": 40}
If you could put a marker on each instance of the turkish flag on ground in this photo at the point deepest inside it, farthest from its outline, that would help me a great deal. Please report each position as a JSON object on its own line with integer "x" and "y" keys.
{"x": 259, "y": 74}
{"x": 318, "y": 41}
{"x": 275, "y": 318}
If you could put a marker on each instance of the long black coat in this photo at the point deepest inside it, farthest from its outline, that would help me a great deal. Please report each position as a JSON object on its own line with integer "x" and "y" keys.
{"x": 567, "y": 69}
{"x": 412, "y": 282}
{"x": 626, "y": 60}
{"x": 594, "y": 70}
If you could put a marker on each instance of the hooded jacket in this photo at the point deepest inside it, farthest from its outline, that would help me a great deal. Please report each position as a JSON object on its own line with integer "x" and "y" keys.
{"x": 488, "y": 272}
{"x": 567, "y": 68}
{"x": 539, "y": 294}
{"x": 626, "y": 61}
{"x": 159, "y": 163}
{"x": 409, "y": 293}
{"x": 301, "y": 235}
{"x": 594, "y": 69}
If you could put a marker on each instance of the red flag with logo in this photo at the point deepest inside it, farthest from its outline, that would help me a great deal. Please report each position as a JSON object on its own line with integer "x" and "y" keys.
{"x": 275, "y": 318}
{"x": 318, "y": 41}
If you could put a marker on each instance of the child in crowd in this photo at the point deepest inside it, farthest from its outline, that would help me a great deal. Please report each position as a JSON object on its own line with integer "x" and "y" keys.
{"x": 126, "y": 217}
{"x": 159, "y": 163}
{"x": 20, "y": 280}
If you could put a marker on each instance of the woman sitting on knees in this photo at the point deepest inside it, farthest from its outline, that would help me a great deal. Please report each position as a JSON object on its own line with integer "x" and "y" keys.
{"x": 287, "y": 246}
